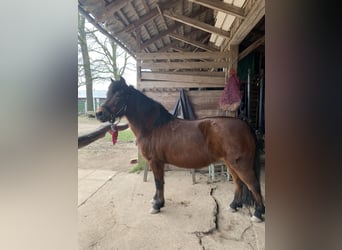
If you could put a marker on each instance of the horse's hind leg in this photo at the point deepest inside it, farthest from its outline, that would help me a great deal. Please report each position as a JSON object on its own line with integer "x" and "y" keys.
{"x": 249, "y": 178}
{"x": 238, "y": 189}
{"x": 158, "y": 199}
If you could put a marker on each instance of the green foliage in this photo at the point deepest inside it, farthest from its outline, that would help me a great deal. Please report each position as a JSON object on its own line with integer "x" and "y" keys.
{"x": 137, "y": 168}
{"x": 140, "y": 166}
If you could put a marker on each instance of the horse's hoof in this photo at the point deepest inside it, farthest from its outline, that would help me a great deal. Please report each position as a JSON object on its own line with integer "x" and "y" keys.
{"x": 233, "y": 210}
{"x": 154, "y": 211}
{"x": 256, "y": 219}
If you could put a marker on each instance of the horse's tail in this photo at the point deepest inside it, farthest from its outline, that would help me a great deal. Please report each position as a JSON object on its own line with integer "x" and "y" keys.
{"x": 246, "y": 195}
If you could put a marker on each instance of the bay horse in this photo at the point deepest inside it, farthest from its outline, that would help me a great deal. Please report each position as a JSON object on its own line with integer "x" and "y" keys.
{"x": 163, "y": 138}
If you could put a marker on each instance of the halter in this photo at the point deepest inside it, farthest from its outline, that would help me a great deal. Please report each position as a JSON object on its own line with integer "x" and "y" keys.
{"x": 113, "y": 115}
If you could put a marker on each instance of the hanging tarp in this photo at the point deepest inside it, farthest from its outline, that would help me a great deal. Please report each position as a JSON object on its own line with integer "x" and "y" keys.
{"x": 183, "y": 107}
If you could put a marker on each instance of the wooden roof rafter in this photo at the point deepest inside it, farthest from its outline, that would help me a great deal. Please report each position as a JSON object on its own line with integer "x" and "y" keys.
{"x": 151, "y": 26}
{"x": 146, "y": 18}
{"x": 160, "y": 35}
{"x": 191, "y": 41}
{"x": 111, "y": 8}
{"x": 104, "y": 31}
{"x": 222, "y": 6}
{"x": 170, "y": 29}
{"x": 195, "y": 23}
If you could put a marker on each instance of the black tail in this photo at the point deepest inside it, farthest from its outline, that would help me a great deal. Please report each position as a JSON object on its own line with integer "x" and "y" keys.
{"x": 247, "y": 196}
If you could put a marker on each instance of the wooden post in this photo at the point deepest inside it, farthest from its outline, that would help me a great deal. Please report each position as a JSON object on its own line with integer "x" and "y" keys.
{"x": 233, "y": 56}
{"x": 138, "y": 59}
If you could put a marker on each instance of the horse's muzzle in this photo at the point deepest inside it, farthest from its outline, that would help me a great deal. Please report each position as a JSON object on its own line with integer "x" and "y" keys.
{"x": 100, "y": 115}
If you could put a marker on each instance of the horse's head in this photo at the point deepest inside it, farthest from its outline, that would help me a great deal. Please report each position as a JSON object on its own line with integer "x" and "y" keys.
{"x": 116, "y": 102}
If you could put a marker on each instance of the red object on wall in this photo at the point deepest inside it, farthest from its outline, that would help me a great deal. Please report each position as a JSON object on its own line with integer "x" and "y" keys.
{"x": 231, "y": 96}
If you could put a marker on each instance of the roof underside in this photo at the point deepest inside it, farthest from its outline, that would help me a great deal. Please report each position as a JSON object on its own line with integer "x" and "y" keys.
{"x": 150, "y": 26}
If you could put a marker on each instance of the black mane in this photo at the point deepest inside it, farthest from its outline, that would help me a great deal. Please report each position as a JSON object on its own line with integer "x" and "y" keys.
{"x": 147, "y": 107}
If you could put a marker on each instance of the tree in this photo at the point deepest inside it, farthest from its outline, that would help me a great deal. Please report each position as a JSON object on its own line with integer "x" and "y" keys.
{"x": 99, "y": 58}
{"x": 82, "y": 41}
{"x": 108, "y": 59}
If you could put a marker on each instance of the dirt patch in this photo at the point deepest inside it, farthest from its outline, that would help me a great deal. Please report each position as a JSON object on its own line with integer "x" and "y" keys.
{"x": 102, "y": 154}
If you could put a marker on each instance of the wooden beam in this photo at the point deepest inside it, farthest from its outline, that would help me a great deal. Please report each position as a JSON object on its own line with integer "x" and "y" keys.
{"x": 182, "y": 65}
{"x": 111, "y": 8}
{"x": 103, "y": 31}
{"x": 170, "y": 29}
{"x": 147, "y": 17}
{"x": 181, "y": 78}
{"x": 171, "y": 84}
{"x": 252, "y": 18}
{"x": 196, "y": 24}
{"x": 201, "y": 73}
{"x": 222, "y": 6}
{"x": 182, "y": 55}
{"x": 192, "y": 42}
{"x": 233, "y": 57}
{"x": 162, "y": 17}
{"x": 251, "y": 47}
{"x": 159, "y": 36}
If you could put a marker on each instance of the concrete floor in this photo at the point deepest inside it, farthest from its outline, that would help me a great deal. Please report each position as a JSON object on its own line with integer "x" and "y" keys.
{"x": 114, "y": 213}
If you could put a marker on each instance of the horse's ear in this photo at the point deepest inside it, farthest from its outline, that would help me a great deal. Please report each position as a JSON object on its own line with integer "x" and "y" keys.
{"x": 123, "y": 81}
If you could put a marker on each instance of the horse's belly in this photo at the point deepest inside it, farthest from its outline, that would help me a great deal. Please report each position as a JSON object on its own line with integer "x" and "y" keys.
{"x": 190, "y": 159}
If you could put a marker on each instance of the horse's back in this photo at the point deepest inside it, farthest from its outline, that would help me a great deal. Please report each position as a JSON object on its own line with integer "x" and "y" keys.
{"x": 228, "y": 137}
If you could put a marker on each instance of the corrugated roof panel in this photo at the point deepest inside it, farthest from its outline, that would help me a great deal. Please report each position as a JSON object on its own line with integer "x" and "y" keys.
{"x": 224, "y": 22}
{"x": 228, "y": 22}
{"x": 239, "y": 3}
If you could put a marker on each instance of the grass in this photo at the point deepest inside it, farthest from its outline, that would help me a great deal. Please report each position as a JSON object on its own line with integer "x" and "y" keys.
{"x": 140, "y": 166}
{"x": 128, "y": 136}
{"x": 137, "y": 168}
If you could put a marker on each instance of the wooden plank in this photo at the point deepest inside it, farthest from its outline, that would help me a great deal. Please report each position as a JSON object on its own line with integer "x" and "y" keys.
{"x": 181, "y": 78}
{"x": 233, "y": 56}
{"x": 202, "y": 73}
{"x": 252, "y": 18}
{"x": 196, "y": 24}
{"x": 192, "y": 42}
{"x": 206, "y": 113}
{"x": 204, "y": 94}
{"x": 109, "y": 10}
{"x": 222, "y": 6}
{"x": 191, "y": 73}
{"x": 145, "y": 18}
{"x": 159, "y": 36}
{"x": 104, "y": 31}
{"x": 204, "y": 103}
{"x": 183, "y": 65}
{"x": 182, "y": 55}
{"x": 251, "y": 47}
{"x": 170, "y": 84}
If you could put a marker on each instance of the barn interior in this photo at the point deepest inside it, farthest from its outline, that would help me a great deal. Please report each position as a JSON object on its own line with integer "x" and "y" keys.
{"x": 190, "y": 45}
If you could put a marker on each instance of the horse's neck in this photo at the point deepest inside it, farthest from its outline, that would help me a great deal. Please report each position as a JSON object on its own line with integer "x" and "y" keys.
{"x": 140, "y": 122}
{"x": 144, "y": 115}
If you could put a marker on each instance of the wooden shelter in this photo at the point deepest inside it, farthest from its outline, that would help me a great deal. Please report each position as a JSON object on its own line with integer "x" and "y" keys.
{"x": 188, "y": 44}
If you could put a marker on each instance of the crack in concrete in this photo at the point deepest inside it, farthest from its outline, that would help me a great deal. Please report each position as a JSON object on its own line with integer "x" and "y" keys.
{"x": 215, "y": 214}
{"x": 244, "y": 231}
{"x": 109, "y": 179}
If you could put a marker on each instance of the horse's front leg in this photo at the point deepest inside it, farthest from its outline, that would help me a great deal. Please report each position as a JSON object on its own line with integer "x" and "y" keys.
{"x": 158, "y": 172}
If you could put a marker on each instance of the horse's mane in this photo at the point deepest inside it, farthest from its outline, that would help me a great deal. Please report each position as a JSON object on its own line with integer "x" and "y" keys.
{"x": 146, "y": 107}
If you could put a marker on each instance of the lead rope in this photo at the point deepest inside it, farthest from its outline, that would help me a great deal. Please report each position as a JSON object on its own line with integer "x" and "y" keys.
{"x": 114, "y": 131}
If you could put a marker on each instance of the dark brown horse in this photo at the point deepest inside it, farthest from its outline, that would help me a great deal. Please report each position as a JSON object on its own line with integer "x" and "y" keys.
{"x": 162, "y": 138}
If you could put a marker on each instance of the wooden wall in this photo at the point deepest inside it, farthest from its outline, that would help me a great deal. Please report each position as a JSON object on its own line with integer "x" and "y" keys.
{"x": 161, "y": 76}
